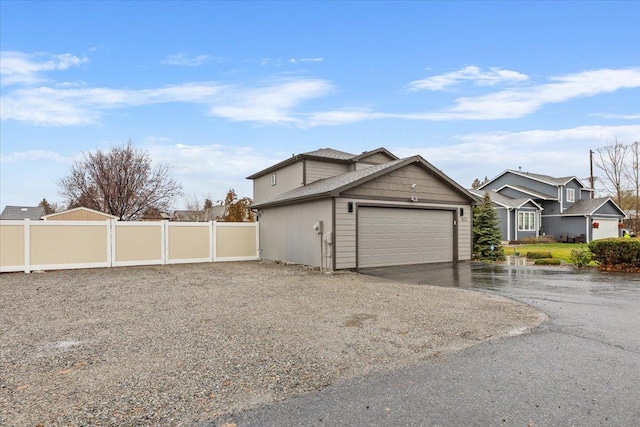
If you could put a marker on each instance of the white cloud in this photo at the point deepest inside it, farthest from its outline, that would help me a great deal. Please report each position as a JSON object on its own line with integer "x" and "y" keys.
{"x": 23, "y": 68}
{"x": 32, "y": 155}
{"x": 183, "y": 60}
{"x": 562, "y": 152}
{"x": 617, "y": 116}
{"x": 474, "y": 74}
{"x": 515, "y": 103}
{"x": 212, "y": 169}
{"x": 271, "y": 104}
{"x": 299, "y": 60}
{"x": 71, "y": 107}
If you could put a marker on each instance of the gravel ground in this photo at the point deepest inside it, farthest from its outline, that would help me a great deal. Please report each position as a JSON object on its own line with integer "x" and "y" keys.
{"x": 191, "y": 344}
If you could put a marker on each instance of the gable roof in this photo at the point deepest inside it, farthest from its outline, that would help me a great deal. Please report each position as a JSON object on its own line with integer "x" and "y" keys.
{"x": 540, "y": 178}
{"x": 22, "y": 212}
{"x": 81, "y": 208}
{"x": 369, "y": 153}
{"x": 324, "y": 154}
{"x": 332, "y": 187}
{"x": 590, "y": 206}
{"x": 536, "y": 194}
{"x": 505, "y": 201}
{"x": 329, "y": 153}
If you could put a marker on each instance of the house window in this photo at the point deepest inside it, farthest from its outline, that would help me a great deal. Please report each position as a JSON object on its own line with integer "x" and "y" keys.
{"x": 526, "y": 221}
{"x": 273, "y": 179}
{"x": 571, "y": 195}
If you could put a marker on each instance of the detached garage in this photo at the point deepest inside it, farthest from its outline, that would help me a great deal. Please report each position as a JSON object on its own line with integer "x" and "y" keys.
{"x": 382, "y": 211}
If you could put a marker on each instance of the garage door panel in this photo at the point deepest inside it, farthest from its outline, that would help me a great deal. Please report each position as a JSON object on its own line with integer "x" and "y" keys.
{"x": 607, "y": 228}
{"x": 395, "y": 236}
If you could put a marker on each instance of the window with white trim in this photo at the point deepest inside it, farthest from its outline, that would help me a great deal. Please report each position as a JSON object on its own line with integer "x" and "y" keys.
{"x": 571, "y": 195}
{"x": 526, "y": 221}
{"x": 273, "y": 179}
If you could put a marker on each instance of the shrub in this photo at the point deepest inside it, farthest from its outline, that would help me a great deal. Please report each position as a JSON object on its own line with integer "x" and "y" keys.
{"x": 539, "y": 255}
{"x": 616, "y": 252}
{"x": 580, "y": 256}
{"x": 548, "y": 261}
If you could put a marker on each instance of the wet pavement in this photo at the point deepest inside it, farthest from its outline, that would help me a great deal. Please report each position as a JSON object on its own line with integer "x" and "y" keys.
{"x": 582, "y": 367}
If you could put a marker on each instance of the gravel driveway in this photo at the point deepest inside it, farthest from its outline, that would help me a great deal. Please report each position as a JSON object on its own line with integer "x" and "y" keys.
{"x": 189, "y": 344}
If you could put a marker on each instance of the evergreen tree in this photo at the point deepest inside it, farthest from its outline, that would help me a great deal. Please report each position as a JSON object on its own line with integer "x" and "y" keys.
{"x": 486, "y": 231}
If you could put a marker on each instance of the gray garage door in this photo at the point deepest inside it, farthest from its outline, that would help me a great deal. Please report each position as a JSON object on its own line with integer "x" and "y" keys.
{"x": 394, "y": 236}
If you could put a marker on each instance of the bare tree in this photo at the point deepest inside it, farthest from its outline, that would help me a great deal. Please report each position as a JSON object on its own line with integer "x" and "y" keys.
{"x": 611, "y": 161}
{"x": 119, "y": 182}
{"x": 633, "y": 174}
{"x": 237, "y": 210}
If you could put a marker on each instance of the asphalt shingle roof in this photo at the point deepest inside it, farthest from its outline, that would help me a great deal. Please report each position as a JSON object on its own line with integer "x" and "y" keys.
{"x": 325, "y": 186}
{"x": 22, "y": 212}
{"x": 534, "y": 193}
{"x": 502, "y": 199}
{"x": 585, "y": 206}
{"x": 330, "y": 153}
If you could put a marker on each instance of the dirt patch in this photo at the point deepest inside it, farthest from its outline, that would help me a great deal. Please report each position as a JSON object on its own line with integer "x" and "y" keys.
{"x": 187, "y": 344}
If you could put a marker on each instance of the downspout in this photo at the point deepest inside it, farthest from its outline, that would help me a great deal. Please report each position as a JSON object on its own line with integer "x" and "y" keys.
{"x": 508, "y": 224}
{"x": 515, "y": 229}
{"x": 560, "y": 199}
{"x": 588, "y": 228}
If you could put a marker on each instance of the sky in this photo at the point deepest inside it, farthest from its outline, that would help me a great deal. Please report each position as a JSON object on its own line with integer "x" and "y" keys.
{"x": 220, "y": 90}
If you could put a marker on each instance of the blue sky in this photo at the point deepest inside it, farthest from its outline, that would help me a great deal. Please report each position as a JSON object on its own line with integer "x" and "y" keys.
{"x": 220, "y": 90}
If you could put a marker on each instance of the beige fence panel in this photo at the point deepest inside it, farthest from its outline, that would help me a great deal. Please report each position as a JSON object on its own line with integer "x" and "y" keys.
{"x": 189, "y": 242}
{"x": 137, "y": 243}
{"x": 68, "y": 244}
{"x": 12, "y": 247}
{"x": 235, "y": 241}
{"x": 54, "y": 245}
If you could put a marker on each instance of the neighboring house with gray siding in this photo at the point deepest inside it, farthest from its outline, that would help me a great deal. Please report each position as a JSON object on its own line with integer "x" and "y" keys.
{"x": 536, "y": 204}
{"x": 336, "y": 210}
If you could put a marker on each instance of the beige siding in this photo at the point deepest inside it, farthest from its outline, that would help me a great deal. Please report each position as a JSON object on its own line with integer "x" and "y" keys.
{"x": 189, "y": 242}
{"x": 236, "y": 241}
{"x": 397, "y": 184}
{"x": 464, "y": 234}
{"x": 287, "y": 234}
{"x": 79, "y": 215}
{"x": 320, "y": 170}
{"x": 68, "y": 244}
{"x": 287, "y": 178}
{"x": 11, "y": 246}
{"x": 345, "y": 235}
{"x": 376, "y": 159}
{"x": 138, "y": 242}
{"x": 345, "y": 239}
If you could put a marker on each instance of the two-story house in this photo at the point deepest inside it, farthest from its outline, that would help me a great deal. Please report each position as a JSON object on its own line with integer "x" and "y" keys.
{"x": 336, "y": 210}
{"x": 530, "y": 205}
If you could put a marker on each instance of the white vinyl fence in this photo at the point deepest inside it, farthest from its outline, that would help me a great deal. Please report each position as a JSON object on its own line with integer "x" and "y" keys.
{"x": 55, "y": 245}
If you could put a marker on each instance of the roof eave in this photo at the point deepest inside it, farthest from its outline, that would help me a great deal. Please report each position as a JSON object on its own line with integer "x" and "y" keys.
{"x": 306, "y": 198}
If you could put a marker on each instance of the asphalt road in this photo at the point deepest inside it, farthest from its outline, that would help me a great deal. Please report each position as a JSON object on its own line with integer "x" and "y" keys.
{"x": 581, "y": 368}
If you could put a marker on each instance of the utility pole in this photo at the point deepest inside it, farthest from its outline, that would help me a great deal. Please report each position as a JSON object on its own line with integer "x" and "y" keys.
{"x": 591, "y": 178}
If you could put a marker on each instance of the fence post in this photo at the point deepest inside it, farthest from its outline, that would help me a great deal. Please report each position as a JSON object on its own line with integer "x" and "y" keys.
{"x": 257, "y": 225}
{"x": 164, "y": 237}
{"x": 213, "y": 241}
{"x": 108, "y": 227}
{"x": 114, "y": 232}
{"x": 27, "y": 245}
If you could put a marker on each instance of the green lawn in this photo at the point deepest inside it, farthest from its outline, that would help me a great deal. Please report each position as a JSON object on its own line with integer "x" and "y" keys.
{"x": 558, "y": 250}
